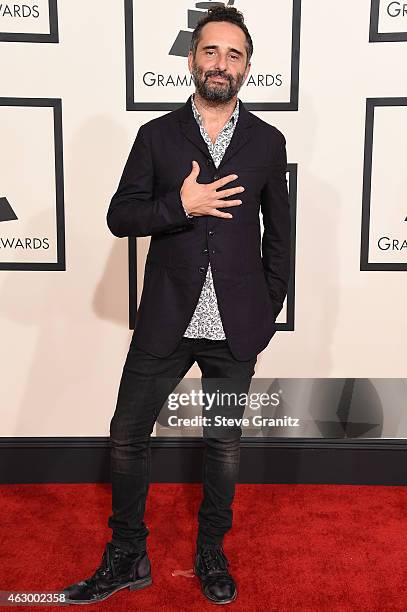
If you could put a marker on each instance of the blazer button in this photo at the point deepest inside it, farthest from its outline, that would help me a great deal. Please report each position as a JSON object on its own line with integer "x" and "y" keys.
{"x": 205, "y": 251}
{"x": 211, "y": 232}
{"x": 202, "y": 269}
{"x": 209, "y": 162}
{"x": 216, "y": 177}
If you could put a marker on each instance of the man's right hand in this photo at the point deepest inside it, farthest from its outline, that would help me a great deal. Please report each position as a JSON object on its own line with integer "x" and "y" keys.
{"x": 203, "y": 199}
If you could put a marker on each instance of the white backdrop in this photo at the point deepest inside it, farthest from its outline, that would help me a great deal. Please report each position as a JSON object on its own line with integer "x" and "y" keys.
{"x": 64, "y": 333}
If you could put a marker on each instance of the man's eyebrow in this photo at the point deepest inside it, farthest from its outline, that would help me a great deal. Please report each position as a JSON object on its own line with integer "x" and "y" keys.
{"x": 217, "y": 47}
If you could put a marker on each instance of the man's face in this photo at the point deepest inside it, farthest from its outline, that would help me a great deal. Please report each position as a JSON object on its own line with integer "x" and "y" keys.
{"x": 219, "y": 66}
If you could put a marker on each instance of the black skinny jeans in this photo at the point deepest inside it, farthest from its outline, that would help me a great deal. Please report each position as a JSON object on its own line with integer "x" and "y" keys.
{"x": 145, "y": 385}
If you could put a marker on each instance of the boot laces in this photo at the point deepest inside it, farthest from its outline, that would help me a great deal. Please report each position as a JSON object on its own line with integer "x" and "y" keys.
{"x": 109, "y": 559}
{"x": 214, "y": 559}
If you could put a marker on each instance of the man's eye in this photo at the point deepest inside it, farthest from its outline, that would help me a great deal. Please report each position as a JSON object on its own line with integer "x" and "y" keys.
{"x": 209, "y": 52}
{"x": 234, "y": 57}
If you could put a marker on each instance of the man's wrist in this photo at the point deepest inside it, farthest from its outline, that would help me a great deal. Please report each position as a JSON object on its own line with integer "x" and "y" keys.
{"x": 186, "y": 212}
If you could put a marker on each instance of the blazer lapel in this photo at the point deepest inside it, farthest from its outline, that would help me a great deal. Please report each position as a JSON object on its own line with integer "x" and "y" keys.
{"x": 191, "y": 130}
{"x": 241, "y": 135}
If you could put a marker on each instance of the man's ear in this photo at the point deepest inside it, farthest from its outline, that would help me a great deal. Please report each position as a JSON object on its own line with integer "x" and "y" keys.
{"x": 246, "y": 74}
{"x": 190, "y": 60}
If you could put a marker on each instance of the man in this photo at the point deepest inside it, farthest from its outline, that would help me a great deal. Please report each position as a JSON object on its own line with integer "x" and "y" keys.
{"x": 196, "y": 180}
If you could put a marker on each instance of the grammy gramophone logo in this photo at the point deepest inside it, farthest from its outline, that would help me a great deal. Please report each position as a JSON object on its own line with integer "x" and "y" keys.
{"x": 6, "y": 211}
{"x": 183, "y": 41}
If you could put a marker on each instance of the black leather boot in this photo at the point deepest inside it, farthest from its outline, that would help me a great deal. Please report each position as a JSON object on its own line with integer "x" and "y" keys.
{"x": 211, "y": 567}
{"x": 119, "y": 569}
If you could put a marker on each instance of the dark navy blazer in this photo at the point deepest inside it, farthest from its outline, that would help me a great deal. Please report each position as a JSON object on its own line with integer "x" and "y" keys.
{"x": 250, "y": 271}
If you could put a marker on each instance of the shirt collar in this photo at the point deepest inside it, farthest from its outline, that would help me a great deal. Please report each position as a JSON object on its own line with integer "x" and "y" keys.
{"x": 233, "y": 119}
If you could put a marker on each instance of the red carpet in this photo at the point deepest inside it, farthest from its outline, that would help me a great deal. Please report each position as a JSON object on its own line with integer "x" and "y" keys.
{"x": 292, "y": 547}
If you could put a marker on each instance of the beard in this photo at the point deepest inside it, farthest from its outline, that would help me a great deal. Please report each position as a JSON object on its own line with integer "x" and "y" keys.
{"x": 216, "y": 92}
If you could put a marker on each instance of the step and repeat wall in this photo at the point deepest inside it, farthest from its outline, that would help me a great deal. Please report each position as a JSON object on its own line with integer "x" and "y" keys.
{"x": 78, "y": 79}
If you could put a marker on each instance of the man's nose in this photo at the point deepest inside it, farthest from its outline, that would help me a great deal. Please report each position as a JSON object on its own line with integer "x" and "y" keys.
{"x": 221, "y": 63}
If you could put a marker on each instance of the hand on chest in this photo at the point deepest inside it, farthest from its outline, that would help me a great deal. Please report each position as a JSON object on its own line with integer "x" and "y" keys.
{"x": 216, "y": 160}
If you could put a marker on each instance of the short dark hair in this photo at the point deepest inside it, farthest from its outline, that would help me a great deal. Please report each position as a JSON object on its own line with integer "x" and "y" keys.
{"x": 222, "y": 13}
